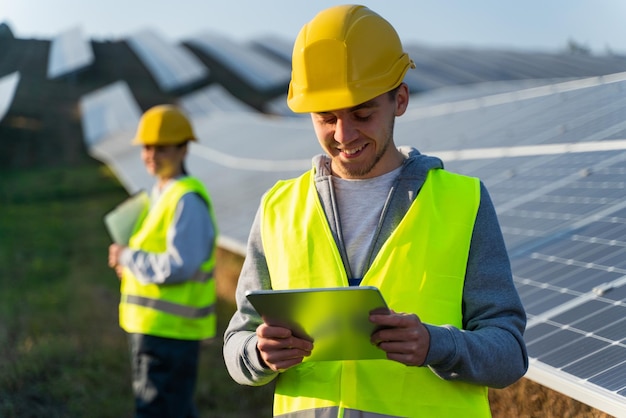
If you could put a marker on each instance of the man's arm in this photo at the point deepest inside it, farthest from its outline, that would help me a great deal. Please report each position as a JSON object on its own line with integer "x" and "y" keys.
{"x": 240, "y": 340}
{"x": 189, "y": 242}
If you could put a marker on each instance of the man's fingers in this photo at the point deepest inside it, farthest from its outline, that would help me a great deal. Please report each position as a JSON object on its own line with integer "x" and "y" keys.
{"x": 395, "y": 320}
{"x": 283, "y": 337}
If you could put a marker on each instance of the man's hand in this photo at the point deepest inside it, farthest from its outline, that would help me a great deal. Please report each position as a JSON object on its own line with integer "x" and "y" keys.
{"x": 279, "y": 348}
{"x": 114, "y": 254}
{"x": 115, "y": 250}
{"x": 402, "y": 336}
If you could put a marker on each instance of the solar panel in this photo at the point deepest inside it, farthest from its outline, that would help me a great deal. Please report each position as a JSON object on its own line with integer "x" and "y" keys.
{"x": 108, "y": 111}
{"x": 278, "y": 106}
{"x": 8, "y": 86}
{"x": 70, "y": 51}
{"x": 214, "y": 98}
{"x": 276, "y": 46}
{"x": 172, "y": 66}
{"x": 563, "y": 216}
{"x": 257, "y": 69}
{"x": 441, "y": 67}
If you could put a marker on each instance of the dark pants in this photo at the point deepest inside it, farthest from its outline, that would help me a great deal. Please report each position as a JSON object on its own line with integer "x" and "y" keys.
{"x": 164, "y": 376}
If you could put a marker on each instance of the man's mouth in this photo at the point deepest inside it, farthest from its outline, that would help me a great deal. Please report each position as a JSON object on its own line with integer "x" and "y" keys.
{"x": 352, "y": 151}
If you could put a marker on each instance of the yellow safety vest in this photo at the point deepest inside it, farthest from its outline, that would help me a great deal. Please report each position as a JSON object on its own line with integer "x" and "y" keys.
{"x": 420, "y": 269}
{"x": 184, "y": 310}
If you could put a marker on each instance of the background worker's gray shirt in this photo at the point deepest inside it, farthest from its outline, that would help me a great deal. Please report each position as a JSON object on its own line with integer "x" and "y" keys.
{"x": 189, "y": 243}
{"x": 489, "y": 350}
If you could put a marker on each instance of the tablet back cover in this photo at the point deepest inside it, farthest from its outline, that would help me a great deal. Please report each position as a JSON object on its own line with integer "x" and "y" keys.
{"x": 335, "y": 319}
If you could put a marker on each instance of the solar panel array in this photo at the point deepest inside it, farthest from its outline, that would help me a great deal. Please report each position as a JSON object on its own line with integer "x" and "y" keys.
{"x": 443, "y": 67}
{"x": 549, "y": 144}
{"x": 561, "y": 199}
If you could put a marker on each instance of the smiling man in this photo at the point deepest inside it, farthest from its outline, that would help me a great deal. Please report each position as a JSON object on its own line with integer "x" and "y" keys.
{"x": 372, "y": 214}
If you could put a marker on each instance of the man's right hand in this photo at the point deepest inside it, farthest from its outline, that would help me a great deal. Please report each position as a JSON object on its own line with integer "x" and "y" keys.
{"x": 279, "y": 348}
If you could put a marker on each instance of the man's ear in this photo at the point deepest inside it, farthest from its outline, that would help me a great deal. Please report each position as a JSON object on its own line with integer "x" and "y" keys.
{"x": 402, "y": 99}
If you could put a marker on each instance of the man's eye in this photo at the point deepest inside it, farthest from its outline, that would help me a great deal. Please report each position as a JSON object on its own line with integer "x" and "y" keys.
{"x": 362, "y": 117}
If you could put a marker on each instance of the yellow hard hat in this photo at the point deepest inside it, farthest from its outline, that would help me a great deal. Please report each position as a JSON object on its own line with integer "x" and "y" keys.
{"x": 163, "y": 125}
{"x": 345, "y": 56}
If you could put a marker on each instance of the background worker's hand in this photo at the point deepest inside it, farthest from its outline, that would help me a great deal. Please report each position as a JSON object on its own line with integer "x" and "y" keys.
{"x": 119, "y": 270}
{"x": 402, "y": 336}
{"x": 114, "y": 254}
{"x": 279, "y": 348}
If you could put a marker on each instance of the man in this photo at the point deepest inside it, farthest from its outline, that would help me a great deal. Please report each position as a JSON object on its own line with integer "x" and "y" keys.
{"x": 166, "y": 272}
{"x": 369, "y": 213}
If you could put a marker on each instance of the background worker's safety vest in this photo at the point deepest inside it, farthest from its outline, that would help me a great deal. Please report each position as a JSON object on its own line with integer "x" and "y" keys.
{"x": 420, "y": 269}
{"x": 184, "y": 310}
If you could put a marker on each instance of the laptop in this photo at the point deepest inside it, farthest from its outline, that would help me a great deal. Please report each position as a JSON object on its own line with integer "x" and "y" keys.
{"x": 335, "y": 319}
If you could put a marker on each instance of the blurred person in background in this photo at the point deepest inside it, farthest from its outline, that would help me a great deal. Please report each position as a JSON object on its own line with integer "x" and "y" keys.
{"x": 168, "y": 292}
{"x": 371, "y": 214}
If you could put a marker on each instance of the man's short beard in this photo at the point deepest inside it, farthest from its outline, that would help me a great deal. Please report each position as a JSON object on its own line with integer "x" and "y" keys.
{"x": 359, "y": 172}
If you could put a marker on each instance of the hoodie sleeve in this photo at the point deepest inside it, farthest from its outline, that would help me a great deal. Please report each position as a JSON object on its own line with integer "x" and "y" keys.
{"x": 490, "y": 349}
{"x": 240, "y": 353}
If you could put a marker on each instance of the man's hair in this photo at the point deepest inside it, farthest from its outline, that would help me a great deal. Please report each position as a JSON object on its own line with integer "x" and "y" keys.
{"x": 394, "y": 92}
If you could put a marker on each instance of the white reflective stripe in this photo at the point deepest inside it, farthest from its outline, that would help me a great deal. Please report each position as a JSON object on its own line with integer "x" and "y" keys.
{"x": 169, "y": 307}
{"x": 333, "y": 412}
{"x": 353, "y": 413}
{"x": 328, "y": 412}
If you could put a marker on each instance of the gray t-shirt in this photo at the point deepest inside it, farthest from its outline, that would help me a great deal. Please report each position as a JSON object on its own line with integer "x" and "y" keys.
{"x": 360, "y": 203}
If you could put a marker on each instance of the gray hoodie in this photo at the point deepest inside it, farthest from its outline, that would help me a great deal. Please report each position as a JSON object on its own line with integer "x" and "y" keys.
{"x": 488, "y": 351}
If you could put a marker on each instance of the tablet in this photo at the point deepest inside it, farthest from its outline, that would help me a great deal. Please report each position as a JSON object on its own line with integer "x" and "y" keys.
{"x": 121, "y": 221}
{"x": 335, "y": 319}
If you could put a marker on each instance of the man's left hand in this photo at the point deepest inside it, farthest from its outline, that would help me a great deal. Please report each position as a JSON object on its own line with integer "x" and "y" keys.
{"x": 402, "y": 336}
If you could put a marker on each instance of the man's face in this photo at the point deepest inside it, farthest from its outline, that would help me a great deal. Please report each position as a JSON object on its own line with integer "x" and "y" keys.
{"x": 163, "y": 161}
{"x": 359, "y": 139}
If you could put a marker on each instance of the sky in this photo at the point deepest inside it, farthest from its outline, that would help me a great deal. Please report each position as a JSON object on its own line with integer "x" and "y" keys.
{"x": 538, "y": 25}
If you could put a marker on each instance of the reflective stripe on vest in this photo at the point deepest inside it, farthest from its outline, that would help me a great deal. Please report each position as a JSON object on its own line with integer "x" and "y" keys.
{"x": 169, "y": 307}
{"x": 332, "y": 412}
{"x": 428, "y": 250}
{"x": 184, "y": 310}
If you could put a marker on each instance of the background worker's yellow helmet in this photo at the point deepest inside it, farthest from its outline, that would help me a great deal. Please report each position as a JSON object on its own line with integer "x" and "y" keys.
{"x": 345, "y": 56}
{"x": 163, "y": 125}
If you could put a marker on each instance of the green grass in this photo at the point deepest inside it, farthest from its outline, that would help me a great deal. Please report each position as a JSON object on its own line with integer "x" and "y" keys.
{"x": 62, "y": 353}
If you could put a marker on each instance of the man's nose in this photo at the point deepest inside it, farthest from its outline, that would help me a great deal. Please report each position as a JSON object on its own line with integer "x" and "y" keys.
{"x": 345, "y": 131}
